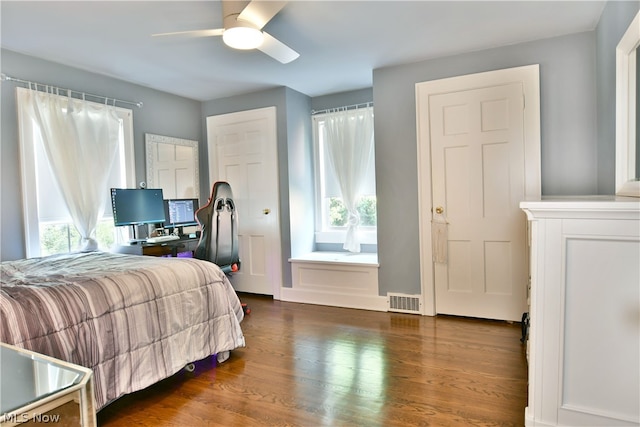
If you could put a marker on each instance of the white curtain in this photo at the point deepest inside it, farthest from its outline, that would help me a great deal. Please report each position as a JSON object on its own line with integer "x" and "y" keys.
{"x": 81, "y": 140}
{"x": 349, "y": 142}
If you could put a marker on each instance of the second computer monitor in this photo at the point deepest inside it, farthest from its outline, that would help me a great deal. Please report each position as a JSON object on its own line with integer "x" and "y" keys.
{"x": 180, "y": 212}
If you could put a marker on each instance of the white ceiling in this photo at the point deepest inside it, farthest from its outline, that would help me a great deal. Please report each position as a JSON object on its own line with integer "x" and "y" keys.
{"x": 340, "y": 42}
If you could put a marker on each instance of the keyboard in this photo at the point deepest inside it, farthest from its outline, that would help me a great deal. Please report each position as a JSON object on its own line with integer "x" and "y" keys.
{"x": 162, "y": 239}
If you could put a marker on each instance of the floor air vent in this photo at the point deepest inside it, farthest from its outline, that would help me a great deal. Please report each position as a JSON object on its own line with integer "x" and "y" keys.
{"x": 405, "y": 303}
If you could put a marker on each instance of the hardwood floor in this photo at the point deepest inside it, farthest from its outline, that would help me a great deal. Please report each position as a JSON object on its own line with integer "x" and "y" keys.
{"x": 307, "y": 365}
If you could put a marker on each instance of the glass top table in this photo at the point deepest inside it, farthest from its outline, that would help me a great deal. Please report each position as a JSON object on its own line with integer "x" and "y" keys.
{"x": 32, "y": 383}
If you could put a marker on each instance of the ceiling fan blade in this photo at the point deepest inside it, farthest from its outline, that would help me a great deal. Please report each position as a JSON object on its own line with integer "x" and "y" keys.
{"x": 194, "y": 33}
{"x": 277, "y": 50}
{"x": 259, "y": 12}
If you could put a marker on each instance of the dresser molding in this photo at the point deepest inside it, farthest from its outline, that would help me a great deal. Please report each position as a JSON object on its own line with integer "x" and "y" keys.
{"x": 594, "y": 207}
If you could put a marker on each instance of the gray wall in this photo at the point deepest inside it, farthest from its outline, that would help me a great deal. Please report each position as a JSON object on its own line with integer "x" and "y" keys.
{"x": 360, "y": 96}
{"x": 162, "y": 114}
{"x": 301, "y": 185}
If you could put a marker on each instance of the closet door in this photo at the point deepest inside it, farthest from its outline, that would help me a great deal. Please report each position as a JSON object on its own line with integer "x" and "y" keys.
{"x": 243, "y": 151}
{"x": 478, "y": 158}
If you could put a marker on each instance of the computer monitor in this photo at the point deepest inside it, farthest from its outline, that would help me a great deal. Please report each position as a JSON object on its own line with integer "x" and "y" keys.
{"x": 180, "y": 212}
{"x": 137, "y": 206}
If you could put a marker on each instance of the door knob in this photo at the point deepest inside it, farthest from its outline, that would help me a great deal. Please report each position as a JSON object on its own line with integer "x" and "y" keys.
{"x": 266, "y": 211}
{"x": 439, "y": 210}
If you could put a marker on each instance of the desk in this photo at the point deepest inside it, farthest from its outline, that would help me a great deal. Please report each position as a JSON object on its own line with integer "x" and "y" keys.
{"x": 172, "y": 247}
{"x": 41, "y": 389}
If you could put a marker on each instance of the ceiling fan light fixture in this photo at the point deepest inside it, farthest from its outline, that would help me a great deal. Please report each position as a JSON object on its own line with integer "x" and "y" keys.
{"x": 243, "y": 37}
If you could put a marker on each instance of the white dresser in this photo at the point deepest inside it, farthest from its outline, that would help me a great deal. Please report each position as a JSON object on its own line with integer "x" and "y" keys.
{"x": 584, "y": 336}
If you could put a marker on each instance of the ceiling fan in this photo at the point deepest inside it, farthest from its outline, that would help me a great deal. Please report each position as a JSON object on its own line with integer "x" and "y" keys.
{"x": 243, "y": 22}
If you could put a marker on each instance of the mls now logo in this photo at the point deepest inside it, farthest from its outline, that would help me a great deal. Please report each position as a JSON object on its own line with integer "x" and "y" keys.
{"x": 38, "y": 418}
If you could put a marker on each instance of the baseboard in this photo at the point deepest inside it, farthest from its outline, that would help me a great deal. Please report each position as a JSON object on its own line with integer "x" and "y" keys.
{"x": 362, "y": 302}
{"x": 530, "y": 421}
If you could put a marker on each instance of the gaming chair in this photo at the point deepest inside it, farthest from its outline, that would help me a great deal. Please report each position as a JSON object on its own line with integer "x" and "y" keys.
{"x": 219, "y": 229}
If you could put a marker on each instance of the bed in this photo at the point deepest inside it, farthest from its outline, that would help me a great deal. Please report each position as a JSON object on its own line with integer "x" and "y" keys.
{"x": 134, "y": 320}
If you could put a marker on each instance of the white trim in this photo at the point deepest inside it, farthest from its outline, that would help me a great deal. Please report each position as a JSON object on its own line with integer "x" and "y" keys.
{"x": 129, "y": 146}
{"x": 338, "y": 279}
{"x": 361, "y": 302}
{"x": 626, "y": 169}
{"x": 530, "y": 77}
{"x": 583, "y": 207}
{"x": 28, "y": 181}
{"x": 342, "y": 258}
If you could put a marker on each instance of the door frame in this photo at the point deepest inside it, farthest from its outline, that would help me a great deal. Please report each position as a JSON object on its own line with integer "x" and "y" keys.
{"x": 529, "y": 76}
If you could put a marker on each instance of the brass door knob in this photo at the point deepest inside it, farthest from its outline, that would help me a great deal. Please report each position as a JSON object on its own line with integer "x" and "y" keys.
{"x": 266, "y": 211}
{"x": 439, "y": 210}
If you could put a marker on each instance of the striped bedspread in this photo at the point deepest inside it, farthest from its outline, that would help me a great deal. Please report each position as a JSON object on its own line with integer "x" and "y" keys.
{"x": 134, "y": 320}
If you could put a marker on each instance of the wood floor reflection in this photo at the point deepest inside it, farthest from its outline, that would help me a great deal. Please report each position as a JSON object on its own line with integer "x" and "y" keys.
{"x": 307, "y": 365}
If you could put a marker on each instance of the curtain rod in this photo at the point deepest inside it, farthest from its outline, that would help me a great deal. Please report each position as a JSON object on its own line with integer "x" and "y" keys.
{"x": 4, "y": 77}
{"x": 346, "y": 107}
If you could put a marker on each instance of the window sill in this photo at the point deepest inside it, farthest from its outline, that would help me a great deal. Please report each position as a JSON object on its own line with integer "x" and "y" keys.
{"x": 343, "y": 258}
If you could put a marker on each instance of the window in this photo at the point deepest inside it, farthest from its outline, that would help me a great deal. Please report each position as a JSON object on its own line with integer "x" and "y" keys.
{"x": 48, "y": 225}
{"x": 331, "y": 214}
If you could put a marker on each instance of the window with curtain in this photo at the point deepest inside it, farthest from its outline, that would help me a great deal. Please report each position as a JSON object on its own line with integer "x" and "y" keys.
{"x": 59, "y": 150}
{"x": 345, "y": 178}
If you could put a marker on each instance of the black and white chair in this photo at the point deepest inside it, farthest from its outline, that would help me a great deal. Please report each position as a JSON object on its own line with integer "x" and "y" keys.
{"x": 219, "y": 229}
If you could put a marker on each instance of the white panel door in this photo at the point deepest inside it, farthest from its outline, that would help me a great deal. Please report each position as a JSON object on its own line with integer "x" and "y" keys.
{"x": 477, "y": 155}
{"x": 243, "y": 152}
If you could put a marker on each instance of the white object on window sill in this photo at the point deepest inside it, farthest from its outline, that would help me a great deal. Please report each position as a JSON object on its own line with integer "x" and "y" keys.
{"x": 366, "y": 237}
